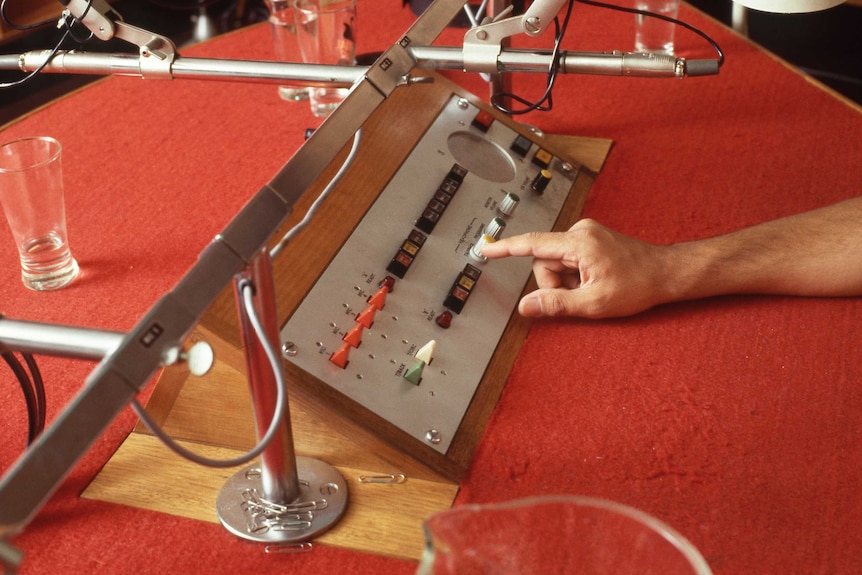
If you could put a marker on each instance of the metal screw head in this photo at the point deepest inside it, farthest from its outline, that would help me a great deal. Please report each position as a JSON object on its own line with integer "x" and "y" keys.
{"x": 289, "y": 349}
{"x": 537, "y": 130}
{"x": 329, "y": 489}
{"x": 433, "y": 436}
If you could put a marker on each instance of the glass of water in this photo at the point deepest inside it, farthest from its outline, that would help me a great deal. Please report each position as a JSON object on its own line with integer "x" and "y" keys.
{"x": 654, "y": 34}
{"x": 282, "y": 22}
{"x": 326, "y": 30}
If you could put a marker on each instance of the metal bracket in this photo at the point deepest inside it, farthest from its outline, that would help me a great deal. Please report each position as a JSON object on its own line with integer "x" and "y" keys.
{"x": 484, "y": 43}
{"x": 157, "y": 52}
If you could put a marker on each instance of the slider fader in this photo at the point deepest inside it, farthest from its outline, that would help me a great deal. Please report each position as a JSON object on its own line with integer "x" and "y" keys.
{"x": 406, "y": 317}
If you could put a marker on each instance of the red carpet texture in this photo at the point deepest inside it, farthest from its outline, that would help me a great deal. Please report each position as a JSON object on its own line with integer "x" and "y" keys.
{"x": 735, "y": 420}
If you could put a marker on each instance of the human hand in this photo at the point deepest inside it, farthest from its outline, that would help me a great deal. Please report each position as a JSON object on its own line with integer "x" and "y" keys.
{"x": 588, "y": 271}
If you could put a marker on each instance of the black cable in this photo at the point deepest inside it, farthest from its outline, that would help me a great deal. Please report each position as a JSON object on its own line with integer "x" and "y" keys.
{"x": 32, "y": 74}
{"x": 39, "y": 389}
{"x": 27, "y": 390}
{"x": 68, "y": 24}
{"x": 34, "y": 395}
{"x": 21, "y": 26}
{"x": 546, "y": 102}
{"x": 70, "y": 30}
{"x": 675, "y": 21}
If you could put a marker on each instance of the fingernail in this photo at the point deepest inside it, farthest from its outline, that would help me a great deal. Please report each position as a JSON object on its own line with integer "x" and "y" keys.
{"x": 532, "y": 307}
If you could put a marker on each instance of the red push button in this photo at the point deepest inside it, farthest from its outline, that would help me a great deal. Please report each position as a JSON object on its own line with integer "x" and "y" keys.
{"x": 444, "y": 320}
{"x": 388, "y": 282}
{"x": 483, "y": 120}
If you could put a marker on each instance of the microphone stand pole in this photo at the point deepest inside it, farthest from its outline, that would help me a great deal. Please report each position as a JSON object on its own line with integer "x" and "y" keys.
{"x": 285, "y": 498}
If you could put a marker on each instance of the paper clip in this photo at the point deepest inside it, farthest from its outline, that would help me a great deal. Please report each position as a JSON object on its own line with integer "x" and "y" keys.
{"x": 391, "y": 478}
{"x": 288, "y": 548}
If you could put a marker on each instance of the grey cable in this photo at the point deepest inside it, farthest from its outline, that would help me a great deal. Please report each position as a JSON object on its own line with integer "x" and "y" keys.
{"x": 280, "y": 402}
{"x": 314, "y": 206}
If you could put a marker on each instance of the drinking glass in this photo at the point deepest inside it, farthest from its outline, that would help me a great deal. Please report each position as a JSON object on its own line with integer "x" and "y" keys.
{"x": 555, "y": 534}
{"x": 654, "y": 34}
{"x": 31, "y": 192}
{"x": 282, "y": 22}
{"x": 326, "y": 30}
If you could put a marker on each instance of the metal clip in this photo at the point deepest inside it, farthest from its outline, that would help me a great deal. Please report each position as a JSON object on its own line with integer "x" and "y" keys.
{"x": 289, "y": 548}
{"x": 290, "y": 525}
{"x": 391, "y": 478}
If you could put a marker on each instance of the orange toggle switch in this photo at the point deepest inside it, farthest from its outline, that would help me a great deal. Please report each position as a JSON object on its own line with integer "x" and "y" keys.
{"x": 354, "y": 336}
{"x": 339, "y": 358}
{"x": 378, "y": 300}
{"x": 366, "y": 318}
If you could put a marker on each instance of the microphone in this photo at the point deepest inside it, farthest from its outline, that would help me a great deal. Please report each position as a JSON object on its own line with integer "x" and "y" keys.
{"x": 635, "y": 64}
{"x": 595, "y": 63}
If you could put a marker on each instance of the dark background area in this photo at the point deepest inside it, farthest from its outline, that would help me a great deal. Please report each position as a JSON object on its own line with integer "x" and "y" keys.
{"x": 827, "y": 45}
{"x": 177, "y": 19}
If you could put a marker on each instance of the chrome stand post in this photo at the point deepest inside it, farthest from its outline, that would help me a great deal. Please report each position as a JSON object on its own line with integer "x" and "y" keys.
{"x": 284, "y": 498}
{"x": 499, "y": 83}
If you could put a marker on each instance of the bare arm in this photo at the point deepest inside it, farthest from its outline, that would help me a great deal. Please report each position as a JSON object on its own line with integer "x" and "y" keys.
{"x": 593, "y": 271}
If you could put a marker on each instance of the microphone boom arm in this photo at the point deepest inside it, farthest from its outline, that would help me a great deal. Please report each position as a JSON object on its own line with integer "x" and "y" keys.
{"x": 613, "y": 63}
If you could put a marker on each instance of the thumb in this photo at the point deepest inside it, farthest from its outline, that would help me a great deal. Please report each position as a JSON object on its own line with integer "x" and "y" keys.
{"x": 551, "y": 303}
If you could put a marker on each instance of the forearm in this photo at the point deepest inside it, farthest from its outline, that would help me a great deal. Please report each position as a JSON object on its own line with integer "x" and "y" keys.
{"x": 594, "y": 271}
{"x": 818, "y": 253}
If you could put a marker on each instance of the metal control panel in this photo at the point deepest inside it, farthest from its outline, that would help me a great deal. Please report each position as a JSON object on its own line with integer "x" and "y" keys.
{"x": 407, "y": 316}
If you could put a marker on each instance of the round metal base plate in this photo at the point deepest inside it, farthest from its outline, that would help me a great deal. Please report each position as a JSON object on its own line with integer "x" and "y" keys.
{"x": 245, "y": 512}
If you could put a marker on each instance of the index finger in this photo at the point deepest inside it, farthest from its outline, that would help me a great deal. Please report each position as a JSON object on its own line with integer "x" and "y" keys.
{"x": 547, "y": 245}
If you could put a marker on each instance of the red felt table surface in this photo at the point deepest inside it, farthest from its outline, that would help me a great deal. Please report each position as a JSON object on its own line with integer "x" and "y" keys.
{"x": 736, "y": 420}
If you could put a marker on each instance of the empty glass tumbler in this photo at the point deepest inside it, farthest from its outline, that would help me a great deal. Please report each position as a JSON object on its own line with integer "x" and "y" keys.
{"x": 31, "y": 193}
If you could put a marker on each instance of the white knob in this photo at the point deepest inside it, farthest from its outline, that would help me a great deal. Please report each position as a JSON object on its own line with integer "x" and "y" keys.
{"x": 476, "y": 250}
